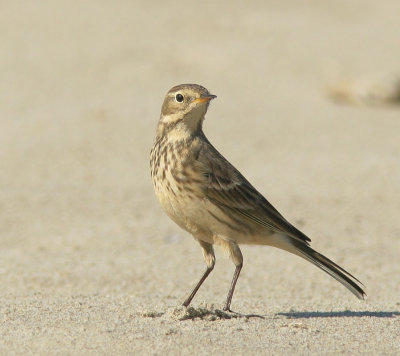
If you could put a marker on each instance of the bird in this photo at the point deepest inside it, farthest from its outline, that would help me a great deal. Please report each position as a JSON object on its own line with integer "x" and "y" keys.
{"x": 209, "y": 198}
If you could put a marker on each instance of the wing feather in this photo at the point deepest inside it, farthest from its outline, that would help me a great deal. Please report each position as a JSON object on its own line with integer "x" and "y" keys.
{"x": 226, "y": 187}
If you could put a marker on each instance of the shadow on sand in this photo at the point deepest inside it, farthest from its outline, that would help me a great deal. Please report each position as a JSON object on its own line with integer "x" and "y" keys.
{"x": 341, "y": 314}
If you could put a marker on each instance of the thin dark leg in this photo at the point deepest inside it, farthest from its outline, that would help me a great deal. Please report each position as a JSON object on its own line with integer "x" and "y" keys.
{"x": 227, "y": 306}
{"x": 194, "y": 291}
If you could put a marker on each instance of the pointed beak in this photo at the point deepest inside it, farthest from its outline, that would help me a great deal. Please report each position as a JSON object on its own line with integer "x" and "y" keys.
{"x": 204, "y": 98}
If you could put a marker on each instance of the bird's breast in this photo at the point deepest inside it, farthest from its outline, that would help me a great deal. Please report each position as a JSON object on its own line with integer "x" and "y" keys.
{"x": 175, "y": 184}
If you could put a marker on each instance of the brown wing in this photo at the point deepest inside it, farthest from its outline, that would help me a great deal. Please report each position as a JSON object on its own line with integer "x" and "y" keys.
{"x": 229, "y": 189}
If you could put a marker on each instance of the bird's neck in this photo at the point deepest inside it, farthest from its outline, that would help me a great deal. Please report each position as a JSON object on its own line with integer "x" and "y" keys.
{"x": 179, "y": 130}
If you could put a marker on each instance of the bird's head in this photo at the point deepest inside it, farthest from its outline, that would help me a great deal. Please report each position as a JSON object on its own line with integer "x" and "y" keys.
{"x": 183, "y": 110}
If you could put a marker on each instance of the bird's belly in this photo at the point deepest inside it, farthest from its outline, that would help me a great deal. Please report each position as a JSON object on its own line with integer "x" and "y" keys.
{"x": 201, "y": 217}
{"x": 184, "y": 211}
{"x": 180, "y": 206}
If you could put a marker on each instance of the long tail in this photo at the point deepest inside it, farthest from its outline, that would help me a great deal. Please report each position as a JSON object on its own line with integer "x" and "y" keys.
{"x": 299, "y": 248}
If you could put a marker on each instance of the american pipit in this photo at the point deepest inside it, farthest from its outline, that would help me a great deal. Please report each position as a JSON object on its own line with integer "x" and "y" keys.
{"x": 208, "y": 197}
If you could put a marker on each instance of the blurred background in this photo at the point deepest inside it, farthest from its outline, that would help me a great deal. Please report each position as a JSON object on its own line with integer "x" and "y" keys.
{"x": 81, "y": 89}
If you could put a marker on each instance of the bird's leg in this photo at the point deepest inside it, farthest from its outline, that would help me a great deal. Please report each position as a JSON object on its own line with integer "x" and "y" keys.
{"x": 194, "y": 291}
{"x": 209, "y": 257}
{"x": 227, "y": 306}
{"x": 237, "y": 258}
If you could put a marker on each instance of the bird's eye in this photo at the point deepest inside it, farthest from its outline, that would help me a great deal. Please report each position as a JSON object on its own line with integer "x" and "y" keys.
{"x": 179, "y": 98}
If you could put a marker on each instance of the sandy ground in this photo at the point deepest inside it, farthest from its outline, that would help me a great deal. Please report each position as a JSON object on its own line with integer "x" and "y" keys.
{"x": 89, "y": 264}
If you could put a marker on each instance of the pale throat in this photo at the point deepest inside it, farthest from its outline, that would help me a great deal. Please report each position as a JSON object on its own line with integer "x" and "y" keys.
{"x": 185, "y": 128}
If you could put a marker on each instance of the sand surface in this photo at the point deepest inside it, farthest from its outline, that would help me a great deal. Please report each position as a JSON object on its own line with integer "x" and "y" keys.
{"x": 89, "y": 264}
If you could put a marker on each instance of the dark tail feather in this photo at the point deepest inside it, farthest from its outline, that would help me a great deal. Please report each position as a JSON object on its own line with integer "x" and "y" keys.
{"x": 328, "y": 266}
